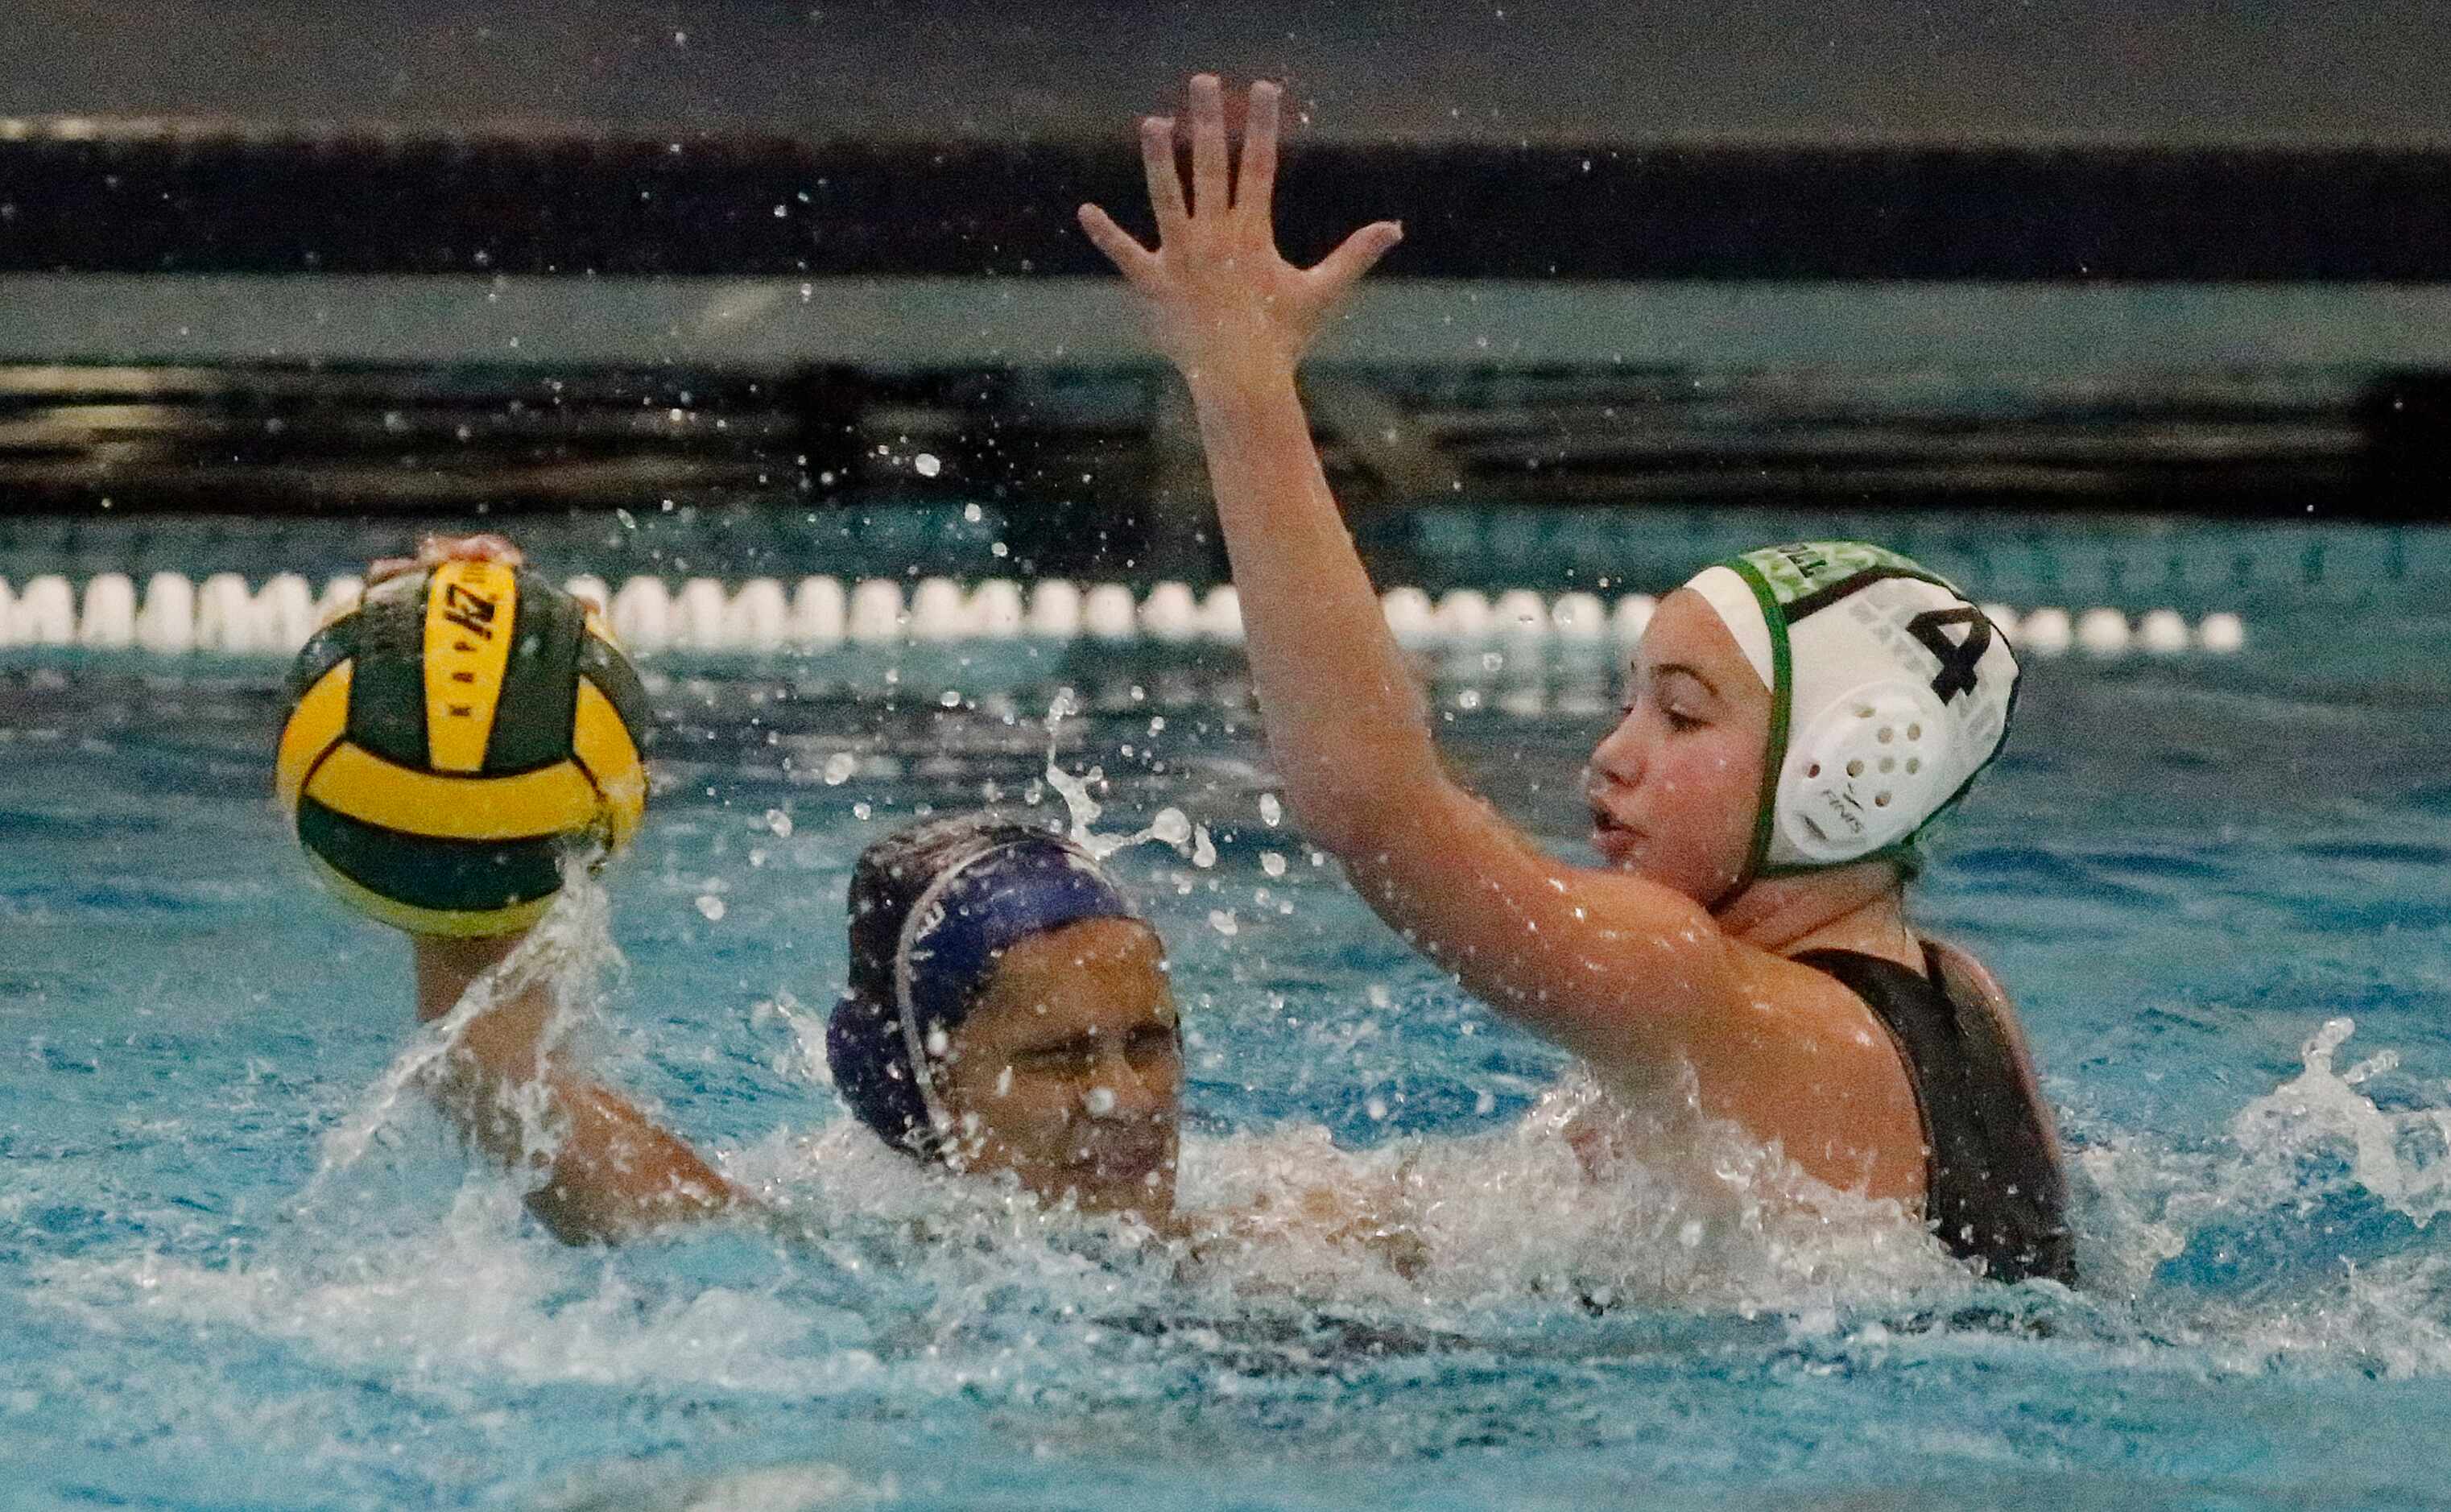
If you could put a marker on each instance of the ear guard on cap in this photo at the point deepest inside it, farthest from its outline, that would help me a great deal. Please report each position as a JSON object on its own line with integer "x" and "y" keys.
{"x": 1865, "y": 775}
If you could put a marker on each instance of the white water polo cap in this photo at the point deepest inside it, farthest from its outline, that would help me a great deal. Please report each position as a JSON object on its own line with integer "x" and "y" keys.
{"x": 1890, "y": 694}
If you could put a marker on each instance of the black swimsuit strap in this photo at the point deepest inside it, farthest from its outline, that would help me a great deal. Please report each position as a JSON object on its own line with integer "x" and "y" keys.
{"x": 1996, "y": 1194}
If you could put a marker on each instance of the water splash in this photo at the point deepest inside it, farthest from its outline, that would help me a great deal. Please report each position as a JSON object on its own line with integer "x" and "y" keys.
{"x": 571, "y": 949}
{"x": 1084, "y": 809}
{"x": 2402, "y": 1158}
{"x": 474, "y": 1298}
{"x": 806, "y": 1058}
{"x": 1169, "y": 826}
{"x": 2315, "y": 1163}
{"x": 1676, "y": 1211}
{"x": 2299, "y": 1236}
{"x": 1584, "y": 1219}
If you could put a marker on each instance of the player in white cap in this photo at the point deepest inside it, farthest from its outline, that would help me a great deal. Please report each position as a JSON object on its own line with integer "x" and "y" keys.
{"x": 1800, "y": 716}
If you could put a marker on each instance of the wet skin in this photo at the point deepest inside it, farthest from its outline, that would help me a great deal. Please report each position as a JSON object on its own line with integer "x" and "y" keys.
{"x": 1674, "y": 788}
{"x": 1068, "y": 1071}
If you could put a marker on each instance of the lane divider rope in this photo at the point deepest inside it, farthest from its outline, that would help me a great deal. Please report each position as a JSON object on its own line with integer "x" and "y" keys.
{"x": 224, "y": 613}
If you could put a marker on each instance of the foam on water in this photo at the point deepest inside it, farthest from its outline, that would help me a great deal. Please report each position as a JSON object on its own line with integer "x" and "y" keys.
{"x": 476, "y": 1297}
{"x": 1582, "y": 1200}
{"x": 877, "y": 1272}
{"x": 865, "y": 1252}
{"x": 1312, "y": 1271}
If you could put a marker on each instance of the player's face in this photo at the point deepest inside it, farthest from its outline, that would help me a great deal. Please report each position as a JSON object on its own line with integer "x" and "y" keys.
{"x": 1675, "y": 788}
{"x": 1067, "y": 1070}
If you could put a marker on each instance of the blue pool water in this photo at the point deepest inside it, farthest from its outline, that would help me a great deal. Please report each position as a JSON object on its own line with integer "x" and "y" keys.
{"x": 236, "y": 1272}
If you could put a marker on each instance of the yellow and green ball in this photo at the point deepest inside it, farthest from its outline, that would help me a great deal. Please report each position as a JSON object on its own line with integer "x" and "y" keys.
{"x": 453, "y": 740}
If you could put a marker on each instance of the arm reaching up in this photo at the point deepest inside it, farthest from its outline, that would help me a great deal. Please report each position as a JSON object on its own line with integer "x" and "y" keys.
{"x": 607, "y": 1171}
{"x": 1634, "y": 974}
{"x": 1346, "y": 722}
{"x": 1228, "y": 310}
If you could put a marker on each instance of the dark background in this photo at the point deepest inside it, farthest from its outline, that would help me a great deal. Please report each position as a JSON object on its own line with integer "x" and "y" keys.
{"x": 2159, "y": 71}
{"x": 2201, "y": 142}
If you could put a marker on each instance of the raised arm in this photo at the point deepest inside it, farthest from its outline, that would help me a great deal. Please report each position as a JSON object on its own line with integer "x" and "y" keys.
{"x": 1616, "y": 967}
{"x": 609, "y": 1173}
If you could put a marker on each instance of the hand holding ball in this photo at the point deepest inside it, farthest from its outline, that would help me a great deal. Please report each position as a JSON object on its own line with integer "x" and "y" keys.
{"x": 453, "y": 740}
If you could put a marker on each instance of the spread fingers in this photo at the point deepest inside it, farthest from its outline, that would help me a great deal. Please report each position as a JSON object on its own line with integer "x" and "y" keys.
{"x": 1135, "y": 261}
{"x": 1165, "y": 185}
{"x": 1255, "y": 193}
{"x": 1210, "y": 193}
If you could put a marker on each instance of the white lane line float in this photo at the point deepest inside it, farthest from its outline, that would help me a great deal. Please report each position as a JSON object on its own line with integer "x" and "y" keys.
{"x": 175, "y": 615}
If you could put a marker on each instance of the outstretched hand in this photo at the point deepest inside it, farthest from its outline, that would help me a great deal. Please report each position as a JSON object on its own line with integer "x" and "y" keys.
{"x": 1223, "y": 304}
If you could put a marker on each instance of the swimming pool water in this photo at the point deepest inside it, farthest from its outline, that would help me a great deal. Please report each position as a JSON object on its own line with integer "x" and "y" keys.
{"x": 235, "y": 1275}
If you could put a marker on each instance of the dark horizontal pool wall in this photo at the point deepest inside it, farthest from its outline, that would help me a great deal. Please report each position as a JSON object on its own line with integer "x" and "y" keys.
{"x": 347, "y": 318}
{"x": 1095, "y": 468}
{"x": 1430, "y": 70}
{"x": 157, "y": 198}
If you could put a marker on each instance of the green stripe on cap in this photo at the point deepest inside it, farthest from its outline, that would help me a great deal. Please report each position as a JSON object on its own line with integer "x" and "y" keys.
{"x": 1783, "y": 690}
{"x": 1801, "y": 568}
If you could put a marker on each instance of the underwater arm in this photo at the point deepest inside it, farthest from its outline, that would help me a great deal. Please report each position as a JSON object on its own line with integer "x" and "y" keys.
{"x": 609, "y": 1171}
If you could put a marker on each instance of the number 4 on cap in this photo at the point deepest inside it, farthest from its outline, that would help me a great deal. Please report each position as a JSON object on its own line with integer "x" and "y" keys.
{"x": 1958, "y": 658}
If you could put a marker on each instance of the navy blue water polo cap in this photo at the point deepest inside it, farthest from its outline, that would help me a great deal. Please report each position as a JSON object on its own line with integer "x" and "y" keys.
{"x": 931, "y": 909}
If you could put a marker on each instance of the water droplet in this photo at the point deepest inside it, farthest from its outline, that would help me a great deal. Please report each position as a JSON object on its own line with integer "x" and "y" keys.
{"x": 1273, "y": 863}
{"x": 711, "y": 906}
{"x": 1270, "y": 810}
{"x": 861, "y": 811}
{"x": 779, "y": 823}
{"x": 926, "y": 466}
{"x": 1223, "y": 921}
{"x": 1100, "y": 1101}
{"x": 1377, "y": 1109}
{"x": 838, "y": 768}
{"x": 1169, "y": 827}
